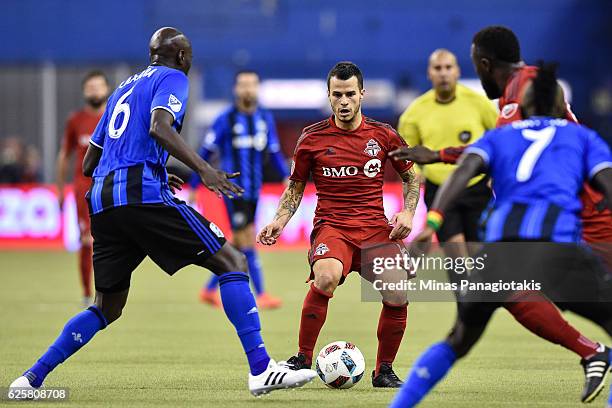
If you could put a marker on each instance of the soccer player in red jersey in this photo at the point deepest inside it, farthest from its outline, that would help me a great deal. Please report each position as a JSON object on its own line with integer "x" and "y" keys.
{"x": 346, "y": 155}
{"x": 79, "y": 127}
{"x": 496, "y": 57}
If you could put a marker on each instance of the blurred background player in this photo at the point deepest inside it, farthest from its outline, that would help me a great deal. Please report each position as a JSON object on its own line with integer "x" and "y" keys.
{"x": 450, "y": 114}
{"x": 537, "y": 190}
{"x": 346, "y": 155}
{"x": 79, "y": 128}
{"x": 242, "y": 138}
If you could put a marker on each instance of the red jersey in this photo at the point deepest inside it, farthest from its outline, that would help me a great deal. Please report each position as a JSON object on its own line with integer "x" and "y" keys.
{"x": 79, "y": 127}
{"x": 596, "y": 218}
{"x": 348, "y": 170}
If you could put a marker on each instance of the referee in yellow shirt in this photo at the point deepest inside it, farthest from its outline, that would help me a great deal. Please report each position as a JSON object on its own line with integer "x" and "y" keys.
{"x": 450, "y": 114}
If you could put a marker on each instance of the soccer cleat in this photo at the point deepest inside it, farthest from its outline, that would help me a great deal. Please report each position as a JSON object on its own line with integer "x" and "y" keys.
{"x": 211, "y": 297}
{"x": 596, "y": 370}
{"x": 265, "y": 301}
{"x": 297, "y": 362}
{"x": 386, "y": 378}
{"x": 22, "y": 383}
{"x": 278, "y": 377}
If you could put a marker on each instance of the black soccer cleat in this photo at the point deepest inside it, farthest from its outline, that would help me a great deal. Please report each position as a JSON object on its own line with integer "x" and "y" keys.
{"x": 297, "y": 362}
{"x": 386, "y": 378}
{"x": 596, "y": 370}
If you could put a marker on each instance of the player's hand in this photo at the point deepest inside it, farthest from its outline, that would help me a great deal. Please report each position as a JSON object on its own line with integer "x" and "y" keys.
{"x": 218, "y": 182}
{"x": 270, "y": 233}
{"x": 416, "y": 154}
{"x": 402, "y": 225}
{"x": 175, "y": 183}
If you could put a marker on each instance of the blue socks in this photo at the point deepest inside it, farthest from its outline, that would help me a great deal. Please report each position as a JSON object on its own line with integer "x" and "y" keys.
{"x": 240, "y": 308}
{"x": 212, "y": 283}
{"x": 254, "y": 271}
{"x": 430, "y": 368}
{"x": 76, "y": 333}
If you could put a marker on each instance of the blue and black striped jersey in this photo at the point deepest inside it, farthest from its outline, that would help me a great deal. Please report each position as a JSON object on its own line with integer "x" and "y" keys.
{"x": 242, "y": 141}
{"x": 132, "y": 168}
{"x": 538, "y": 167}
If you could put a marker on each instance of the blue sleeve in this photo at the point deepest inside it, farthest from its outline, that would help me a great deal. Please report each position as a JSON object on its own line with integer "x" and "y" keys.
{"x": 171, "y": 95}
{"x": 97, "y": 138}
{"x": 597, "y": 154}
{"x": 274, "y": 148}
{"x": 484, "y": 147}
{"x": 210, "y": 144}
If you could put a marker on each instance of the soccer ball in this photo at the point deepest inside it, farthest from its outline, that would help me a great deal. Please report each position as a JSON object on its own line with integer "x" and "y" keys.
{"x": 340, "y": 364}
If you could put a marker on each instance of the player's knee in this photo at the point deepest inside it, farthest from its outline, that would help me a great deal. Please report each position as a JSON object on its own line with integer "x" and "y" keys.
{"x": 111, "y": 305}
{"x": 327, "y": 281}
{"x": 395, "y": 297}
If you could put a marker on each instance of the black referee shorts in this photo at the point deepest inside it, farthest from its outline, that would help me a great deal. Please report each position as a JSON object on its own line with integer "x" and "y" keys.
{"x": 173, "y": 235}
{"x": 463, "y": 217}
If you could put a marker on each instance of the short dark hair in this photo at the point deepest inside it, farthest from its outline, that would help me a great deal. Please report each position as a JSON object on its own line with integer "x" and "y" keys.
{"x": 498, "y": 43}
{"x": 545, "y": 88}
{"x": 244, "y": 71}
{"x": 94, "y": 74}
{"x": 345, "y": 70}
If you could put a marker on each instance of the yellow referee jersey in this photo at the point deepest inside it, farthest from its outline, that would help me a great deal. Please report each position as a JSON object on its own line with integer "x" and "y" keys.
{"x": 438, "y": 125}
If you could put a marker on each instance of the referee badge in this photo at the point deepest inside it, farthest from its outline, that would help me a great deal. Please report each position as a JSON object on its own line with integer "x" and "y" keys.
{"x": 465, "y": 136}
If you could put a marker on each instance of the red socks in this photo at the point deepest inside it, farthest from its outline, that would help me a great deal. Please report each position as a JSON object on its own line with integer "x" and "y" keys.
{"x": 314, "y": 312}
{"x": 85, "y": 267}
{"x": 544, "y": 319}
{"x": 391, "y": 327}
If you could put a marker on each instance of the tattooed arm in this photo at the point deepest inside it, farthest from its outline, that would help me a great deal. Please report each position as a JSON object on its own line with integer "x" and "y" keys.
{"x": 402, "y": 221}
{"x": 411, "y": 189}
{"x": 289, "y": 203}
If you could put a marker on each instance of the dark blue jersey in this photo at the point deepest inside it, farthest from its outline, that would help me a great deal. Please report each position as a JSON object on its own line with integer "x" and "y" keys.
{"x": 132, "y": 168}
{"x": 538, "y": 167}
{"x": 242, "y": 141}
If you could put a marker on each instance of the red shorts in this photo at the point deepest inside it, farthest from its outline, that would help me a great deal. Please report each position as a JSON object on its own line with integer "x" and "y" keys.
{"x": 354, "y": 247}
{"x": 80, "y": 189}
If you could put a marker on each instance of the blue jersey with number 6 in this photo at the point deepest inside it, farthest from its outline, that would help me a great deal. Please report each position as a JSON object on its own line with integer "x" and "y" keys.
{"x": 132, "y": 168}
{"x": 538, "y": 167}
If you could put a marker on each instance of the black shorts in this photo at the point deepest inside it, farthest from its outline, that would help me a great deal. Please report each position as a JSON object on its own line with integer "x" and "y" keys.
{"x": 463, "y": 217}
{"x": 173, "y": 235}
{"x": 240, "y": 212}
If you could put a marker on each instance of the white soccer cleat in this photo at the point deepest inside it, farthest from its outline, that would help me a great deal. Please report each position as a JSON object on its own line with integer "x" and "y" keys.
{"x": 277, "y": 377}
{"x": 20, "y": 384}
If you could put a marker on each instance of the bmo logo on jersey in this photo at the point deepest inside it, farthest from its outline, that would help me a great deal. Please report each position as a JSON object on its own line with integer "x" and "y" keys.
{"x": 370, "y": 169}
{"x": 344, "y": 171}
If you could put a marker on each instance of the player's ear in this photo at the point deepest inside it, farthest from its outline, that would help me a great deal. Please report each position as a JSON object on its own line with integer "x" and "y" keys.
{"x": 487, "y": 65}
{"x": 180, "y": 57}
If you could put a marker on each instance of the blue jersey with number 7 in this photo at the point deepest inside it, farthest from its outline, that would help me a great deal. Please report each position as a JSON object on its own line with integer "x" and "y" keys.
{"x": 132, "y": 168}
{"x": 538, "y": 167}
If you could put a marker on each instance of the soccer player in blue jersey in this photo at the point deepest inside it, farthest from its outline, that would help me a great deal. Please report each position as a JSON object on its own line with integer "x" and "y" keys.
{"x": 134, "y": 215}
{"x": 242, "y": 138}
{"x": 538, "y": 166}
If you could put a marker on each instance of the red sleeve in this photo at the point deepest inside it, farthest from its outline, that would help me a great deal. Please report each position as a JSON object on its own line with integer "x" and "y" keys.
{"x": 395, "y": 142}
{"x": 70, "y": 142}
{"x": 302, "y": 161}
{"x": 451, "y": 154}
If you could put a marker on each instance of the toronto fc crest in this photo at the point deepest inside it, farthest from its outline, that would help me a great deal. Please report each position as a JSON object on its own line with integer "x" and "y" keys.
{"x": 372, "y": 148}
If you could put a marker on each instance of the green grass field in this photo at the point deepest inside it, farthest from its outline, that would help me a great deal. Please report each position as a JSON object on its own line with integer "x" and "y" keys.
{"x": 170, "y": 350}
